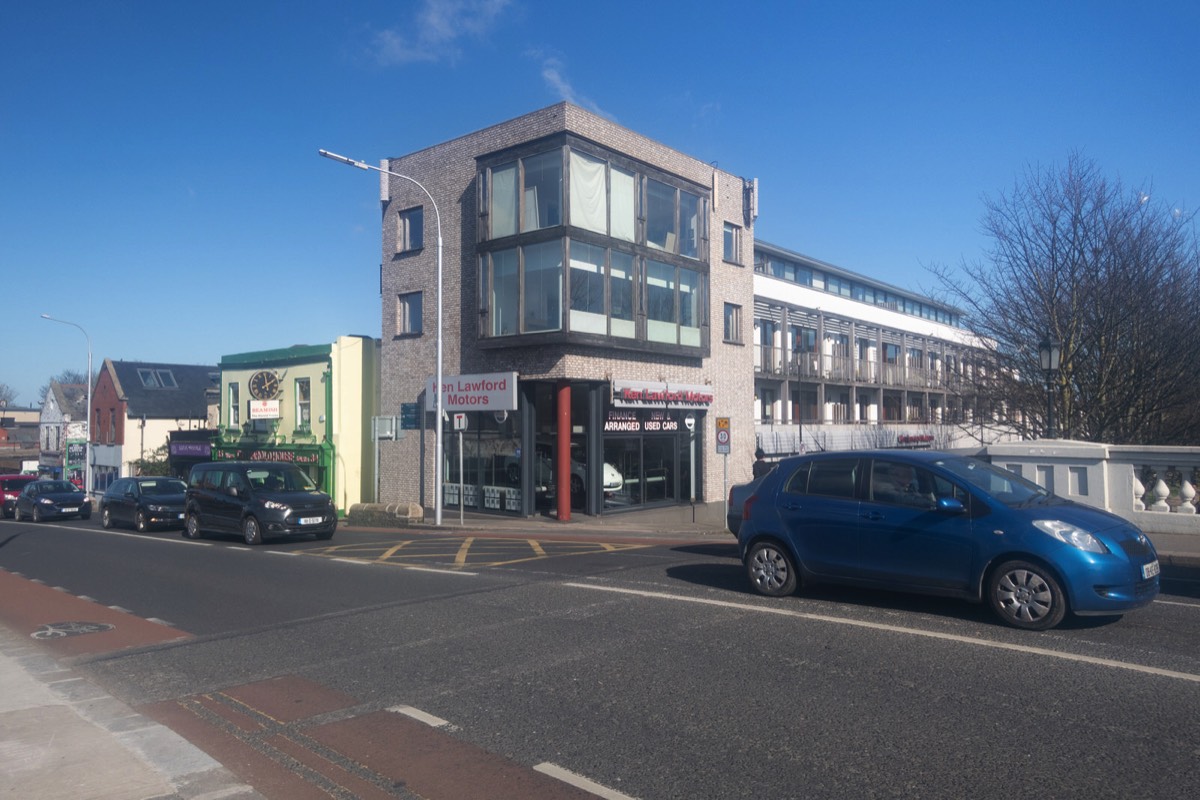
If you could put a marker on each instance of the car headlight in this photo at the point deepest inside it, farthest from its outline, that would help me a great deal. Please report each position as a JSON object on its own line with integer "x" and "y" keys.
{"x": 155, "y": 509}
{"x": 46, "y": 501}
{"x": 1070, "y": 534}
{"x": 276, "y": 506}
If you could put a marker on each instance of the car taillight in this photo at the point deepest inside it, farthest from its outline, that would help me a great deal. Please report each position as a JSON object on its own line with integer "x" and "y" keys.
{"x": 746, "y": 505}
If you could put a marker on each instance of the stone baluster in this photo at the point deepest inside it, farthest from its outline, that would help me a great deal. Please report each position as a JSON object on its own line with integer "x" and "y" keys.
{"x": 1186, "y": 494}
{"x": 1139, "y": 491}
{"x": 1161, "y": 493}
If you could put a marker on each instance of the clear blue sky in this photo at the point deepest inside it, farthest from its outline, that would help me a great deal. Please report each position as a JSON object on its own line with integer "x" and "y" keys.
{"x": 160, "y": 185}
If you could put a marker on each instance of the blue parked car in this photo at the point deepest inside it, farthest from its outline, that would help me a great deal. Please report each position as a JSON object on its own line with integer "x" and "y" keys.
{"x": 941, "y": 524}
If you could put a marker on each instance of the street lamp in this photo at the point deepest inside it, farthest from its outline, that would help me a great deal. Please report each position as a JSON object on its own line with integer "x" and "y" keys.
{"x": 87, "y": 461}
{"x": 1050, "y": 353}
{"x": 437, "y": 386}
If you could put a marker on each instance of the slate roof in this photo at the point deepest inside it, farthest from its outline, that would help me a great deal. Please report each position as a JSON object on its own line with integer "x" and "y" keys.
{"x": 71, "y": 399}
{"x": 154, "y": 397}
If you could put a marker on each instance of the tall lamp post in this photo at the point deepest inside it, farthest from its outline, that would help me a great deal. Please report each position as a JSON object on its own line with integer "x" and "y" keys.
{"x": 87, "y": 461}
{"x": 1050, "y": 353}
{"x": 437, "y": 386}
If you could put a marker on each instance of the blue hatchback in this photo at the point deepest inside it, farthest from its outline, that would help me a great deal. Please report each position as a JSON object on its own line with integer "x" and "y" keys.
{"x": 934, "y": 523}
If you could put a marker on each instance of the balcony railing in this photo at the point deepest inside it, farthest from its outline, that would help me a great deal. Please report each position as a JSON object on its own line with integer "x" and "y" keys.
{"x": 771, "y": 361}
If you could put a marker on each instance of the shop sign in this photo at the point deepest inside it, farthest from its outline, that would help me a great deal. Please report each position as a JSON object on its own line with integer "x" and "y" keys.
{"x": 264, "y": 409}
{"x": 191, "y": 449}
{"x": 287, "y": 456}
{"x": 494, "y": 391}
{"x": 647, "y": 394}
{"x": 640, "y": 422}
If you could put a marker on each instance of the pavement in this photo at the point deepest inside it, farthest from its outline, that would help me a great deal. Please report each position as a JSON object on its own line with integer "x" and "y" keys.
{"x": 62, "y": 736}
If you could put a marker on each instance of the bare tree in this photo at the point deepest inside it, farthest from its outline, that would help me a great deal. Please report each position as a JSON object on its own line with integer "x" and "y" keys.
{"x": 67, "y": 376}
{"x": 1110, "y": 275}
{"x": 7, "y": 394}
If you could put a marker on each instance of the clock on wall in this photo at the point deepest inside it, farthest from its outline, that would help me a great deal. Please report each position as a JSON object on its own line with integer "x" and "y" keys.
{"x": 264, "y": 385}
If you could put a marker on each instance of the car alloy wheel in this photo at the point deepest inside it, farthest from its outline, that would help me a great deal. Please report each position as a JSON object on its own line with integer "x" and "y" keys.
{"x": 106, "y": 518}
{"x": 771, "y": 570}
{"x": 139, "y": 521}
{"x": 1027, "y": 596}
{"x": 251, "y": 532}
{"x": 37, "y": 514}
{"x": 191, "y": 526}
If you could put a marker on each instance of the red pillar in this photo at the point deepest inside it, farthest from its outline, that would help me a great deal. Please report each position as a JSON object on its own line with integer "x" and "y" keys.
{"x": 562, "y": 473}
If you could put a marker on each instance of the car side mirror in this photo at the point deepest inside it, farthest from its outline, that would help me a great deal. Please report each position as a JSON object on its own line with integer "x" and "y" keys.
{"x": 951, "y": 505}
{"x": 233, "y": 491}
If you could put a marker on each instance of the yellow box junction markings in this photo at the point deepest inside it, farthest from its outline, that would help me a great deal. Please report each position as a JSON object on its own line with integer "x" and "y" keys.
{"x": 471, "y": 551}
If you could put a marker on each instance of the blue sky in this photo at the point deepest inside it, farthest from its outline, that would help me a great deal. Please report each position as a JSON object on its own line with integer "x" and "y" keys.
{"x": 160, "y": 185}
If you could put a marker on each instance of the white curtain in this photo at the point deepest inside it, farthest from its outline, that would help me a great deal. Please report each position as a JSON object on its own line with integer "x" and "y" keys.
{"x": 504, "y": 201}
{"x": 589, "y": 206}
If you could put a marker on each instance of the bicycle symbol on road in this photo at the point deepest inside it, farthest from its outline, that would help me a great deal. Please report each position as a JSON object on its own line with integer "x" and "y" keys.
{"x": 58, "y": 630}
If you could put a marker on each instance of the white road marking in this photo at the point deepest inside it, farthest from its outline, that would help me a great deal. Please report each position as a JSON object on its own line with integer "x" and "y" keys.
{"x": 420, "y": 716}
{"x": 431, "y": 569}
{"x": 1019, "y": 648}
{"x": 580, "y": 782}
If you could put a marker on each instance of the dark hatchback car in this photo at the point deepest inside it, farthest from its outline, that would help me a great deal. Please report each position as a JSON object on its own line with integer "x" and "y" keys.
{"x": 934, "y": 523}
{"x": 10, "y": 487}
{"x": 256, "y": 499}
{"x": 51, "y": 499}
{"x": 144, "y": 503}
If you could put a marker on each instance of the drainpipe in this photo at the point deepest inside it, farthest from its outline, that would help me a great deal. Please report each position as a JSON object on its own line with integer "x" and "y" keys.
{"x": 331, "y": 478}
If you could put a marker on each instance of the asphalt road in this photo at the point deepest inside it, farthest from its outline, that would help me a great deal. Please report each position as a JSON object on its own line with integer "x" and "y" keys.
{"x": 650, "y": 670}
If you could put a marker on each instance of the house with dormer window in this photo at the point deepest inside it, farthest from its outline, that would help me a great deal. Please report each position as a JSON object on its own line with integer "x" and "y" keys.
{"x": 137, "y": 405}
{"x": 63, "y": 419}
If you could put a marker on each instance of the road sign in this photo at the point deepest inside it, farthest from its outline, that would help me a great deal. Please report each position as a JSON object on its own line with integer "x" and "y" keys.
{"x": 724, "y": 435}
{"x": 460, "y": 420}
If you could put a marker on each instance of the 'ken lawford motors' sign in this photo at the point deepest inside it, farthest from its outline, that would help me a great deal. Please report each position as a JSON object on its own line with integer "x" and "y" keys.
{"x": 495, "y": 391}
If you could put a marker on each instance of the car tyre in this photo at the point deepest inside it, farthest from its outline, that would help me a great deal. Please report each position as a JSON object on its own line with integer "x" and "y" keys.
{"x": 771, "y": 570}
{"x": 1027, "y": 596}
{"x": 17, "y": 514}
{"x": 139, "y": 521}
{"x": 86, "y": 514}
{"x": 37, "y": 514}
{"x": 105, "y": 518}
{"x": 191, "y": 526}
{"x": 251, "y": 532}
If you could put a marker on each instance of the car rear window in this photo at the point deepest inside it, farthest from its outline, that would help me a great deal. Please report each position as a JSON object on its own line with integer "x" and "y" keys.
{"x": 10, "y": 484}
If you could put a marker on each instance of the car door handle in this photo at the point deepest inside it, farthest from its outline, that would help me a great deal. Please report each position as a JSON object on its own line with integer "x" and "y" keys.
{"x": 791, "y": 506}
{"x": 874, "y": 516}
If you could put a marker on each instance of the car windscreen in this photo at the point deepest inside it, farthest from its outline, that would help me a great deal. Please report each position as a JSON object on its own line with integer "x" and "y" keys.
{"x": 58, "y": 486}
{"x": 1007, "y": 487}
{"x": 163, "y": 487}
{"x": 280, "y": 479}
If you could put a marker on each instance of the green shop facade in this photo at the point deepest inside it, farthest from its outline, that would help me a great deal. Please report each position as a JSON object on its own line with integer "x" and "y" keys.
{"x": 308, "y": 405}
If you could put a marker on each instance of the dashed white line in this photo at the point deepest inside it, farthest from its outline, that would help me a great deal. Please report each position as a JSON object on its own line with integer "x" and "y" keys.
{"x": 580, "y": 782}
{"x": 420, "y": 716}
{"x": 1020, "y": 648}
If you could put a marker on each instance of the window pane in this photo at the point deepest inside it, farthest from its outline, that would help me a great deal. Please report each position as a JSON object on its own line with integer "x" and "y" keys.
{"x": 660, "y": 302}
{"x": 730, "y": 243}
{"x": 543, "y": 287}
{"x": 303, "y": 403}
{"x": 410, "y": 234}
{"x": 621, "y": 290}
{"x": 624, "y": 205}
{"x": 733, "y": 323}
{"x": 660, "y": 215}
{"x": 408, "y": 313}
{"x": 689, "y": 307}
{"x": 587, "y": 289}
{"x": 691, "y": 221}
{"x": 543, "y": 191}
{"x": 589, "y": 200}
{"x": 504, "y": 201}
{"x": 506, "y": 293}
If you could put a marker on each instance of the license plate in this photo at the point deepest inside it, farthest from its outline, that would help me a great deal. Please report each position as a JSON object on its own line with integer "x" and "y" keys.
{"x": 311, "y": 520}
{"x": 1150, "y": 570}
{"x": 69, "y": 510}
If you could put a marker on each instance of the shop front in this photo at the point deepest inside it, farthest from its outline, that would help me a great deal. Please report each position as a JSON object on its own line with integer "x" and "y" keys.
{"x": 578, "y": 446}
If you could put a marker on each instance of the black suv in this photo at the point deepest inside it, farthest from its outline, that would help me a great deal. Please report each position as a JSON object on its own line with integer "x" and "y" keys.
{"x": 256, "y": 499}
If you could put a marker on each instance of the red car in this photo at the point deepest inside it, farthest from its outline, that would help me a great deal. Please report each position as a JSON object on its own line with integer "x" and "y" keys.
{"x": 10, "y": 487}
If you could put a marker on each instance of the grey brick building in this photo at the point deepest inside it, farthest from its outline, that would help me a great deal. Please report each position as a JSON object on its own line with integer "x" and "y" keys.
{"x": 601, "y": 271}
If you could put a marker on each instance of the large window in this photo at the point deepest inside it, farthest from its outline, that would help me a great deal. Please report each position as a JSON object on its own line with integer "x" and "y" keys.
{"x": 530, "y": 190}
{"x": 596, "y": 278}
{"x": 543, "y": 287}
{"x": 603, "y": 197}
{"x": 733, "y": 323}
{"x": 731, "y": 243}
